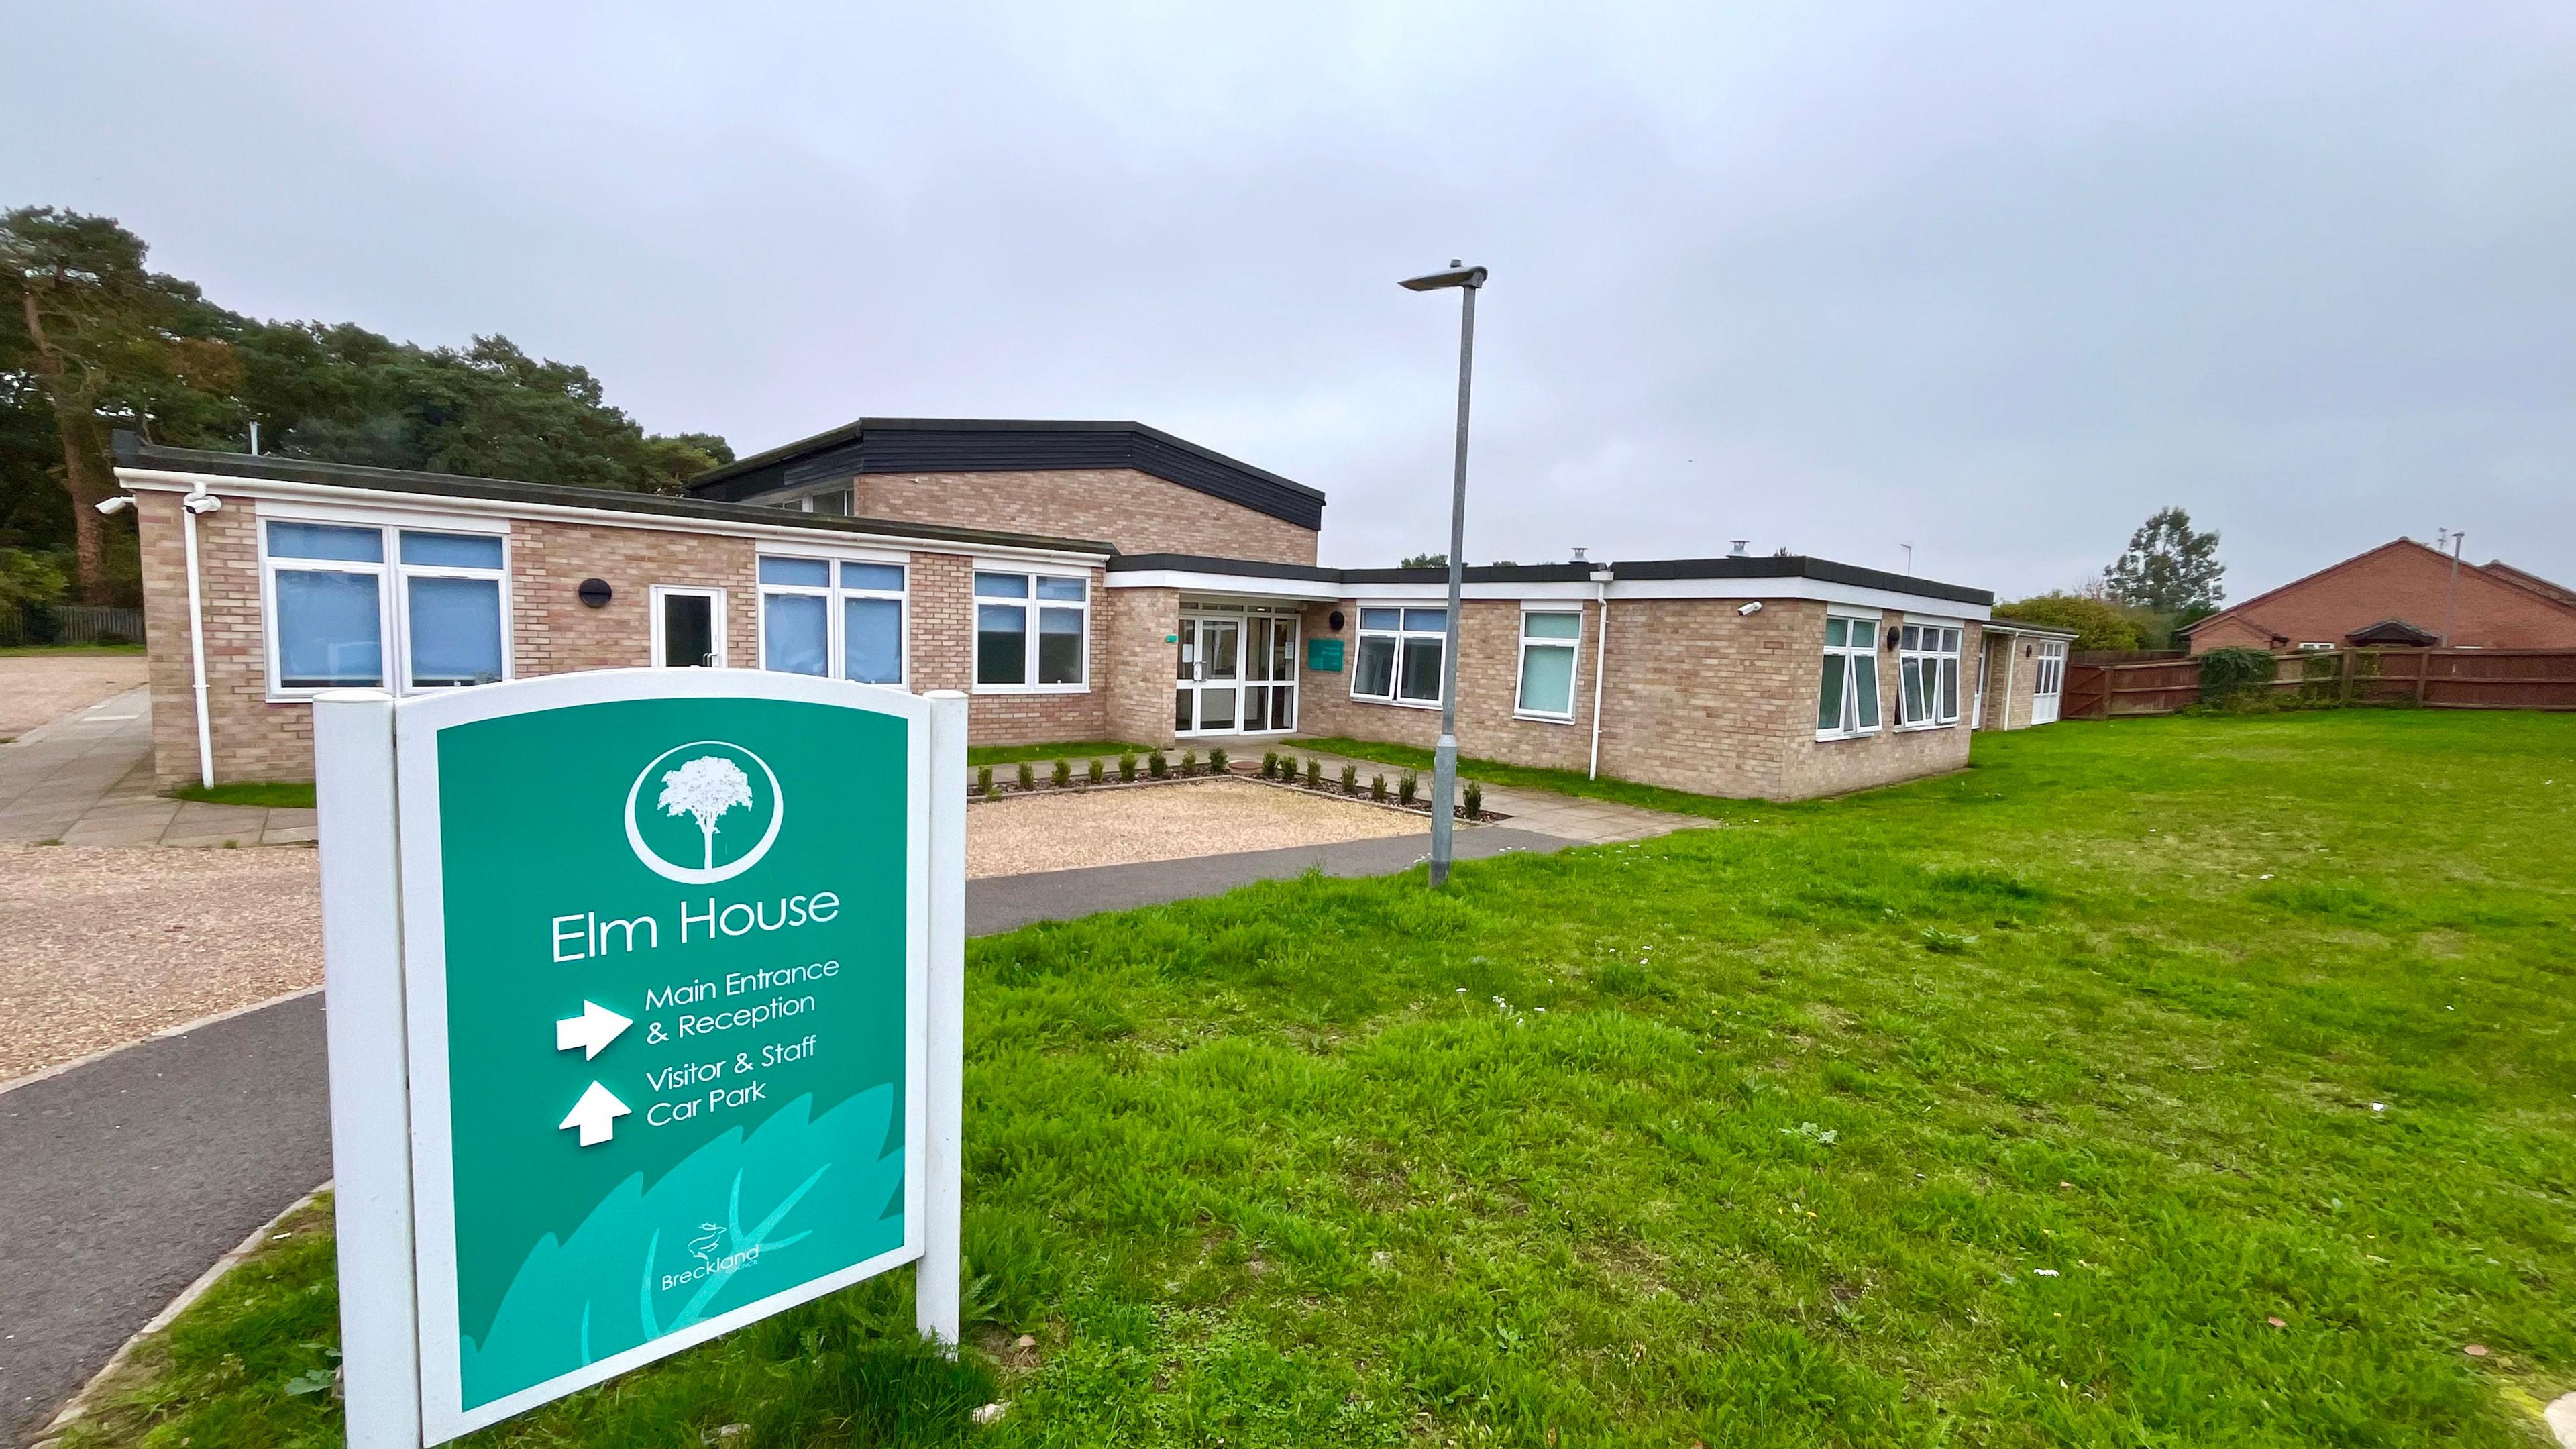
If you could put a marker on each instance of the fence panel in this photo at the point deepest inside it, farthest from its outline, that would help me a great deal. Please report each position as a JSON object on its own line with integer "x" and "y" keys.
{"x": 2433, "y": 678}
{"x": 70, "y": 624}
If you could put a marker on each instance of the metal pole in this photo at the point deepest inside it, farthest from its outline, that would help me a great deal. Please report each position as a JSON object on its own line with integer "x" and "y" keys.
{"x": 2449, "y": 600}
{"x": 1444, "y": 759}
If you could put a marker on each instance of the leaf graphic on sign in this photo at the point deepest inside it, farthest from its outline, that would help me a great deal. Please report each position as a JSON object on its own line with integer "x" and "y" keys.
{"x": 801, "y": 1196}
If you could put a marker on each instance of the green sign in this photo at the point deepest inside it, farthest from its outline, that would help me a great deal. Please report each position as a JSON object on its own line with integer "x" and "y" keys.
{"x": 1324, "y": 656}
{"x": 664, "y": 964}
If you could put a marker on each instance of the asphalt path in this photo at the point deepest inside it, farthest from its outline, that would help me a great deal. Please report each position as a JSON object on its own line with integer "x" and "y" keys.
{"x": 123, "y": 1179}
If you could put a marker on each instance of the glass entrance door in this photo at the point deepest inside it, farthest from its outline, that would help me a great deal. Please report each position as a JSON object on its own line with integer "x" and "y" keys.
{"x": 1207, "y": 695}
{"x": 1270, "y": 669}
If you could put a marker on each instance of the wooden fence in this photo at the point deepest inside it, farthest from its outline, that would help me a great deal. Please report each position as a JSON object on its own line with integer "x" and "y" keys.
{"x": 69, "y": 624}
{"x": 2433, "y": 678}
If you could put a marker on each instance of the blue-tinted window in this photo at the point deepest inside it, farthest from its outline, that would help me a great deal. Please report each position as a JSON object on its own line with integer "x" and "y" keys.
{"x": 1060, "y": 589}
{"x": 884, "y": 578}
{"x": 326, "y": 541}
{"x": 796, "y": 633}
{"x": 448, "y": 550}
{"x": 329, "y": 630}
{"x": 455, "y": 631}
{"x": 872, "y": 640}
{"x": 812, "y": 573}
{"x": 1001, "y": 586}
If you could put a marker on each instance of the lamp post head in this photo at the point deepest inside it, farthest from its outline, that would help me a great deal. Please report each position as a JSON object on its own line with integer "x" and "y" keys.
{"x": 1458, "y": 275}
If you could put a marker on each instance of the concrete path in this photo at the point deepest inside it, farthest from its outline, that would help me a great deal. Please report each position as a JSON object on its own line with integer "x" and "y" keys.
{"x": 122, "y": 1178}
{"x": 86, "y": 779}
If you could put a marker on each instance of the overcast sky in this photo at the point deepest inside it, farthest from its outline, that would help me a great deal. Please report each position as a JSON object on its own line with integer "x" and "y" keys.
{"x": 1993, "y": 280}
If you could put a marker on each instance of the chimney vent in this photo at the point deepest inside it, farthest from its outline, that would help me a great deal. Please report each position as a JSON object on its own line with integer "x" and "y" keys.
{"x": 1579, "y": 553}
{"x": 1738, "y": 550}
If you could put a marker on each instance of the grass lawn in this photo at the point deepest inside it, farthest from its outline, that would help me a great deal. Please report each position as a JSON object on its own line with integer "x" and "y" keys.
{"x": 1065, "y": 750}
{"x": 10, "y": 651}
{"x": 2182, "y": 1081}
{"x": 1564, "y": 782}
{"x": 275, "y": 794}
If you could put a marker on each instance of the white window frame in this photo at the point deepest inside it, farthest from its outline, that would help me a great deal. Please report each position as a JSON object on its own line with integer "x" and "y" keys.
{"x": 2050, "y": 670}
{"x": 835, "y": 641}
{"x": 1520, "y": 674}
{"x": 1865, "y": 652}
{"x": 393, "y": 601}
{"x": 1028, "y": 604}
{"x": 660, "y": 592}
{"x": 1953, "y": 652}
{"x": 1400, "y": 634}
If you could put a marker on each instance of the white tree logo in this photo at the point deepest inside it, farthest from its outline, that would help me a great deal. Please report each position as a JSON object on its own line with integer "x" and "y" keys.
{"x": 705, "y": 780}
{"x": 706, "y": 787}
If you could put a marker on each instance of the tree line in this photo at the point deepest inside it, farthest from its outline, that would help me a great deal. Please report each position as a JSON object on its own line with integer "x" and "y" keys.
{"x": 2165, "y": 580}
{"x": 92, "y": 339}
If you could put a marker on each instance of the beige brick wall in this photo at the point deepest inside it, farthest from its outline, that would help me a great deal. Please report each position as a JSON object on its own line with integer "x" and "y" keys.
{"x": 551, "y": 631}
{"x": 1139, "y": 671}
{"x": 2024, "y": 677}
{"x": 1138, "y": 512}
{"x": 1488, "y": 685}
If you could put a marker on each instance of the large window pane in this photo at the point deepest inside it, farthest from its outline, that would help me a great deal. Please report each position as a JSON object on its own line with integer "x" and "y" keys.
{"x": 884, "y": 578}
{"x": 1950, "y": 687}
{"x": 1376, "y": 675}
{"x": 796, "y": 633}
{"x": 329, "y": 628}
{"x": 455, "y": 631}
{"x": 326, "y": 541}
{"x": 812, "y": 573}
{"x": 1061, "y": 589}
{"x": 1829, "y": 694}
{"x": 1001, "y": 642}
{"x": 872, "y": 640}
{"x": 1421, "y": 682}
{"x": 1001, "y": 586}
{"x": 1865, "y": 686}
{"x": 1547, "y": 677}
{"x": 449, "y": 550}
{"x": 1432, "y": 621}
{"x": 1552, "y": 626}
{"x": 1059, "y": 646}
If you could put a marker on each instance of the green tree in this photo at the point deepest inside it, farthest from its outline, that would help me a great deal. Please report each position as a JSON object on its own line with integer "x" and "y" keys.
{"x": 2168, "y": 567}
{"x": 1425, "y": 561}
{"x": 2098, "y": 623}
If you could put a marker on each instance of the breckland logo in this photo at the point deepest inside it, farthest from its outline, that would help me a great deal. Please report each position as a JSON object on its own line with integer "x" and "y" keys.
{"x": 714, "y": 812}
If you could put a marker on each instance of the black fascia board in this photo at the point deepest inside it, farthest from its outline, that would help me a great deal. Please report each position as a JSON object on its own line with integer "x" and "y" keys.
{"x": 1005, "y": 445}
{"x": 132, "y": 452}
{"x": 1792, "y": 566}
{"x": 1773, "y": 567}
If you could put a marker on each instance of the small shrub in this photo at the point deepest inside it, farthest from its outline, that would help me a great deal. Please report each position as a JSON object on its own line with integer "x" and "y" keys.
{"x": 1094, "y": 775}
{"x": 1157, "y": 766}
{"x": 1028, "y": 776}
{"x": 1350, "y": 779}
{"x": 1288, "y": 768}
{"x": 1407, "y": 788}
{"x": 1270, "y": 764}
{"x": 1127, "y": 769}
{"x": 1061, "y": 775}
{"x": 1377, "y": 787}
{"x": 1217, "y": 762}
{"x": 1189, "y": 763}
{"x": 1314, "y": 774}
{"x": 984, "y": 780}
{"x": 2230, "y": 675}
{"x": 1475, "y": 801}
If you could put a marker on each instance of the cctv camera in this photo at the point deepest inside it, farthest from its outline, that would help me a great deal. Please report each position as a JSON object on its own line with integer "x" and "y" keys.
{"x": 1751, "y": 609}
{"x": 118, "y": 504}
{"x": 201, "y": 503}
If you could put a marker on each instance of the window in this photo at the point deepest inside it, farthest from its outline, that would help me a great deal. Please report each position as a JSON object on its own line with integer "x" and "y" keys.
{"x": 688, "y": 627}
{"x": 843, "y": 619}
{"x": 2051, "y": 670}
{"x": 1548, "y": 644}
{"x": 1009, "y": 653}
{"x": 1400, "y": 655}
{"x": 1847, "y": 698}
{"x": 1927, "y": 666}
{"x": 338, "y": 593}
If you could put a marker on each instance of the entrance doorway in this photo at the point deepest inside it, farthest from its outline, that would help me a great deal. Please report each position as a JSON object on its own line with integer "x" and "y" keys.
{"x": 688, "y": 628}
{"x": 2051, "y": 683}
{"x": 1235, "y": 674}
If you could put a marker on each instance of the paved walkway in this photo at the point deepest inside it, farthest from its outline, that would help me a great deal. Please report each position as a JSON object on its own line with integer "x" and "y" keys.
{"x": 86, "y": 779}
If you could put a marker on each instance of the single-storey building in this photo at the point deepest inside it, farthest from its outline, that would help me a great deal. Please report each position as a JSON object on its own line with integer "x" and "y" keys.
{"x": 1079, "y": 580}
{"x": 2400, "y": 594}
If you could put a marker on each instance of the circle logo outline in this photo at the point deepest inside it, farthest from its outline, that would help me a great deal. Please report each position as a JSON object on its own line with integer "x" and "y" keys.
{"x": 696, "y": 875}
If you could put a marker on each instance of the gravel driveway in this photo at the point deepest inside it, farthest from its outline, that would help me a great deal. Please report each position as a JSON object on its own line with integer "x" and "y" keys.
{"x": 1018, "y": 834}
{"x": 101, "y": 946}
{"x": 36, "y": 687}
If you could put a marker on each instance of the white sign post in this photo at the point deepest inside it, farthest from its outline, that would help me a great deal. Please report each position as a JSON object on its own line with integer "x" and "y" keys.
{"x": 646, "y": 997}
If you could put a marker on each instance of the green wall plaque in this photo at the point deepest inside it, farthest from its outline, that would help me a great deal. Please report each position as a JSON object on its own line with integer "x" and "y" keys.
{"x": 1324, "y": 656}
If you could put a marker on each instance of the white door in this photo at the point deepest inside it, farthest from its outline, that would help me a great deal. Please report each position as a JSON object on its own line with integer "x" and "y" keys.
{"x": 2050, "y": 683}
{"x": 1207, "y": 680}
{"x": 1270, "y": 672}
{"x": 688, "y": 628}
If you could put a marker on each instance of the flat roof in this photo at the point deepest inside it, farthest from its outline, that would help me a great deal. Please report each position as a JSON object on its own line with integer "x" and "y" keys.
{"x": 132, "y": 452}
{"x": 1010, "y": 445}
{"x": 1773, "y": 566}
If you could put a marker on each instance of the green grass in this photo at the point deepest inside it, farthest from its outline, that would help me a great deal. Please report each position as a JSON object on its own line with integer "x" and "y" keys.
{"x": 274, "y": 794}
{"x": 2008, "y": 1108}
{"x": 9, "y": 651}
{"x": 1067, "y": 750}
{"x": 1564, "y": 782}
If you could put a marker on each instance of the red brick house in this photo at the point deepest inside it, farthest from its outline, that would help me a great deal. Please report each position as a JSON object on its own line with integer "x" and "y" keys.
{"x": 1079, "y": 580}
{"x": 2400, "y": 593}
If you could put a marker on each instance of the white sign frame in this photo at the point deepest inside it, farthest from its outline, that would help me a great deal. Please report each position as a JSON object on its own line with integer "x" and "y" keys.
{"x": 385, "y": 985}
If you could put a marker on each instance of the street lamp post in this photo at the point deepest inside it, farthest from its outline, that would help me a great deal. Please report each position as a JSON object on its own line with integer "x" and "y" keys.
{"x": 1444, "y": 759}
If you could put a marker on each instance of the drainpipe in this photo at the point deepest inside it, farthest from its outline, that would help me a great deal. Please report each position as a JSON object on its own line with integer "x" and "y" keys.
{"x": 198, "y": 501}
{"x": 1600, "y": 660}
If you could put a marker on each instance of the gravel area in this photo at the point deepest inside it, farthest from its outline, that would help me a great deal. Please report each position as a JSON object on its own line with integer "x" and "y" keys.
{"x": 101, "y": 946}
{"x": 36, "y": 687}
{"x": 1018, "y": 834}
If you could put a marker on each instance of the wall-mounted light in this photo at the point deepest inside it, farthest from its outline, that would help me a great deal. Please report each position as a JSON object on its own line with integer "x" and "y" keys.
{"x": 1335, "y": 619}
{"x": 1893, "y": 634}
{"x": 1751, "y": 609}
{"x": 595, "y": 593}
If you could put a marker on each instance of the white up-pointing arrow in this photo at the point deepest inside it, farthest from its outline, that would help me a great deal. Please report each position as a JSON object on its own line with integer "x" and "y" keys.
{"x": 591, "y": 1031}
{"x": 596, "y": 1115}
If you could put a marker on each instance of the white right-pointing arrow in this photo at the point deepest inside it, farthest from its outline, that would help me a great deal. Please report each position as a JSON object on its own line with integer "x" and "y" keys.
{"x": 591, "y": 1031}
{"x": 596, "y": 1115}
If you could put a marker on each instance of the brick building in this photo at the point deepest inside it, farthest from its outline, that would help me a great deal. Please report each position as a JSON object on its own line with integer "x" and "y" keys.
{"x": 1079, "y": 580}
{"x": 2400, "y": 593}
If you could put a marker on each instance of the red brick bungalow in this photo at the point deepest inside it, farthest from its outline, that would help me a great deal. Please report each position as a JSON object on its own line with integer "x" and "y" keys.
{"x": 2400, "y": 593}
